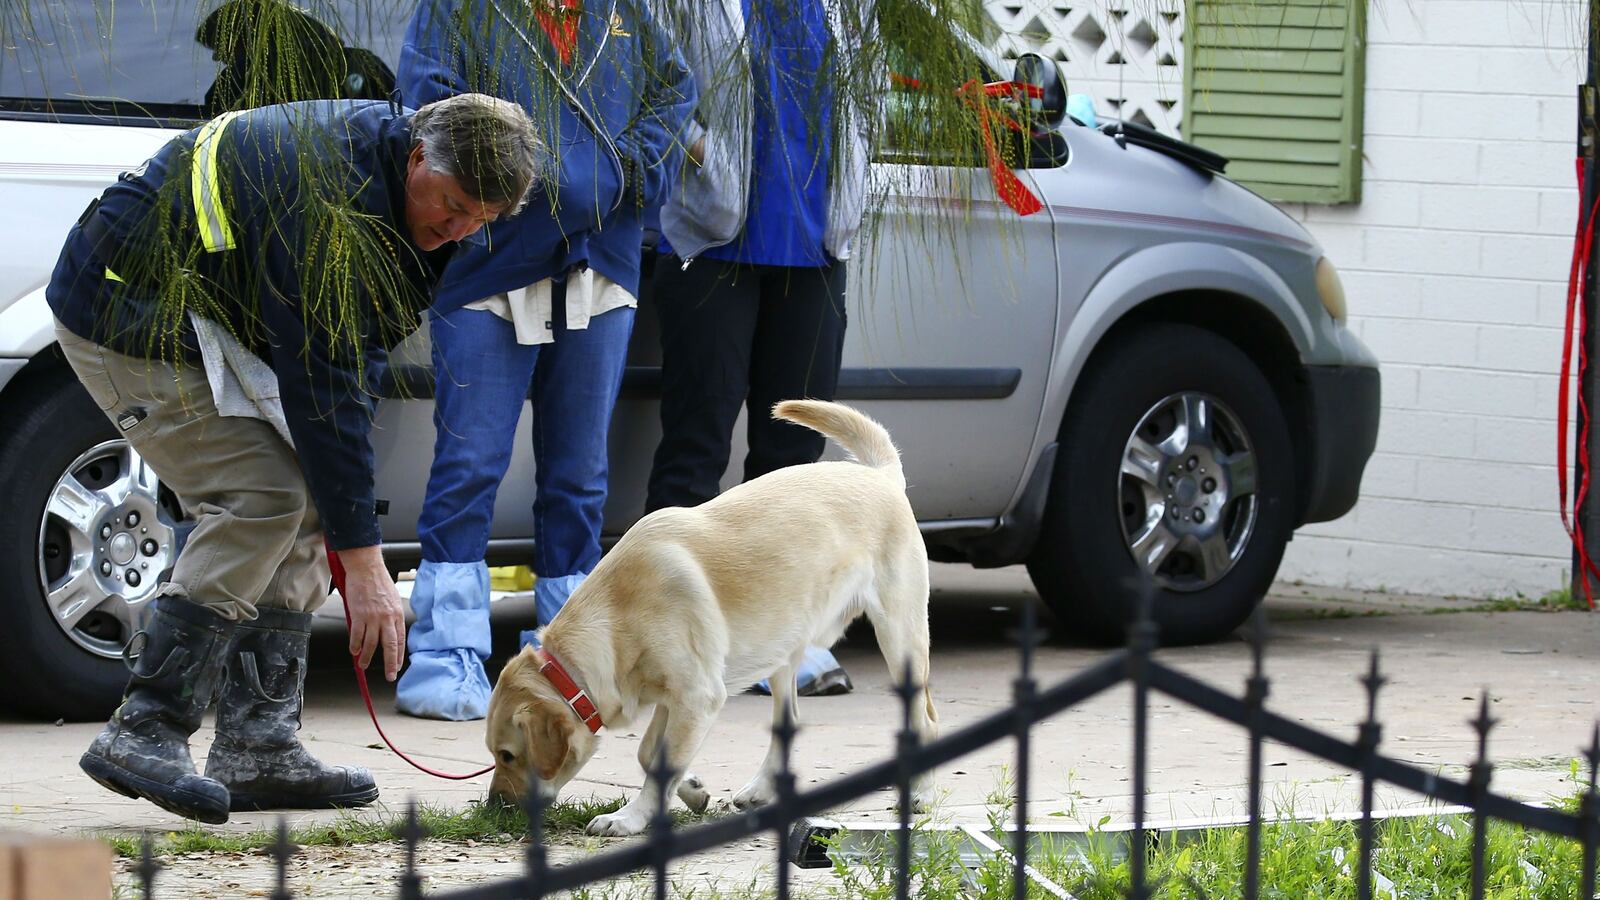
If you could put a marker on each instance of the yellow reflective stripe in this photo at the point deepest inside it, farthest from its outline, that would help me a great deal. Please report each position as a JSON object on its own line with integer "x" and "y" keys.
{"x": 205, "y": 184}
{"x": 112, "y": 276}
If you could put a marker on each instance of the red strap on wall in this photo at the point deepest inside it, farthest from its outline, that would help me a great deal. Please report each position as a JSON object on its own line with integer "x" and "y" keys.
{"x": 1581, "y": 248}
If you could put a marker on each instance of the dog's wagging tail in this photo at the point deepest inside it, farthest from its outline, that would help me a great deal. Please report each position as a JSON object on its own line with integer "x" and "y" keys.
{"x": 863, "y": 438}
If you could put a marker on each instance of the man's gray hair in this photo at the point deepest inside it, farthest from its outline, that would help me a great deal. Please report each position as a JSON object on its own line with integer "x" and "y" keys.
{"x": 485, "y": 143}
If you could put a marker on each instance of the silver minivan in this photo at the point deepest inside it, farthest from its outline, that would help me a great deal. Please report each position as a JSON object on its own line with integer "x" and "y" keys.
{"x": 1150, "y": 376}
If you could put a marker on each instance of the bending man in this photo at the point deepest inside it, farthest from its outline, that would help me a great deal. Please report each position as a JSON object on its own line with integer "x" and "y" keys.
{"x": 227, "y": 305}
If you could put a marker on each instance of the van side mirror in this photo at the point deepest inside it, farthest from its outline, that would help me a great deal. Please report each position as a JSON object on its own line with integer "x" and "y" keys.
{"x": 1051, "y": 106}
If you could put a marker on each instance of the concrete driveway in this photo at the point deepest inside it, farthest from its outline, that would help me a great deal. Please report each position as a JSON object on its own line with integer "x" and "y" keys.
{"x": 1542, "y": 671}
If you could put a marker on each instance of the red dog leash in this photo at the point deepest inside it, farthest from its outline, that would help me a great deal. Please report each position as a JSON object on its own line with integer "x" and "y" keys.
{"x": 337, "y": 568}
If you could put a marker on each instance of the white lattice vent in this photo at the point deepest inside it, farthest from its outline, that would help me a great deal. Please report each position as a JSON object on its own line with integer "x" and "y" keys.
{"x": 1125, "y": 54}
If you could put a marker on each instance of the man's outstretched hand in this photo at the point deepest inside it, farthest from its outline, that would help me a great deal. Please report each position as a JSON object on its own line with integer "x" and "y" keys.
{"x": 376, "y": 616}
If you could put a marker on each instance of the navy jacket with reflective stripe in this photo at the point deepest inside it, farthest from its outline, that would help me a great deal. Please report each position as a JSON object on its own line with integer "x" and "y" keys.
{"x": 273, "y": 163}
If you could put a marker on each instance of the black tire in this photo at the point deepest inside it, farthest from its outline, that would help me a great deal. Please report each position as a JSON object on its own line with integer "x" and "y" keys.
{"x": 50, "y": 424}
{"x": 1083, "y": 564}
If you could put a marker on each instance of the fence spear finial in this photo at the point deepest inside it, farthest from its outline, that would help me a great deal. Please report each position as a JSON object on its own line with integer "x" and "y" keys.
{"x": 148, "y": 866}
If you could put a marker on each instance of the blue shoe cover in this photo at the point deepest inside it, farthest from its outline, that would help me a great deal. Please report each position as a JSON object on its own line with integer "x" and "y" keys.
{"x": 820, "y": 674}
{"x": 550, "y": 594}
{"x": 447, "y": 643}
{"x": 443, "y": 684}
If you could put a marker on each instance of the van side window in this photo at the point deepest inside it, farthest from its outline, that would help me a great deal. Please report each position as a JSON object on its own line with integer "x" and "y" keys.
{"x": 159, "y": 61}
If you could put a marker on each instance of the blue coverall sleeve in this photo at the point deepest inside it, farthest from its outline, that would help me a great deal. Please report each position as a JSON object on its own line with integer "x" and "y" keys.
{"x": 432, "y": 62}
{"x": 654, "y": 142}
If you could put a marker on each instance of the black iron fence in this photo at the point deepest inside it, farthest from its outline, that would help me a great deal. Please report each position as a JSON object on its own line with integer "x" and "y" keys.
{"x": 1135, "y": 664}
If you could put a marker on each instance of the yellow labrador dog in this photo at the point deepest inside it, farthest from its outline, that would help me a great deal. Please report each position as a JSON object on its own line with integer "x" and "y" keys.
{"x": 692, "y": 603}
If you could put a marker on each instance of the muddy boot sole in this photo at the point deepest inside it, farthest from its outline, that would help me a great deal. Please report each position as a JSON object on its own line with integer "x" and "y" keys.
{"x": 255, "y": 802}
{"x": 190, "y": 804}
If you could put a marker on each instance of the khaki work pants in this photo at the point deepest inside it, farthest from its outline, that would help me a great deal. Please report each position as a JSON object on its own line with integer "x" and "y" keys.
{"x": 257, "y": 539}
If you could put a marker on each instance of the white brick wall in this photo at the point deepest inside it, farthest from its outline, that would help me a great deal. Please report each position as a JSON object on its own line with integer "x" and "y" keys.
{"x": 1455, "y": 264}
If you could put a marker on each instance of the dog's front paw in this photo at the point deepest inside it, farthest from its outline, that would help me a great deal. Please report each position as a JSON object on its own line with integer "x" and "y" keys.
{"x": 923, "y": 796}
{"x": 692, "y": 791}
{"x": 759, "y": 792}
{"x": 621, "y": 823}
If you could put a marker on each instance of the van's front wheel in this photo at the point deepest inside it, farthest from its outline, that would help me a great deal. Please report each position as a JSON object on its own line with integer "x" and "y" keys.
{"x": 88, "y": 536}
{"x": 1176, "y": 472}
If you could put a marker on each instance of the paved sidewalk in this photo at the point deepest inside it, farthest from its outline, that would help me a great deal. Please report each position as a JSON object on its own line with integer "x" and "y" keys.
{"x": 1543, "y": 670}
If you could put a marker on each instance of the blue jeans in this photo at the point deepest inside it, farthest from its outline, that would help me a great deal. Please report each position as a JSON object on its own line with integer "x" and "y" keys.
{"x": 483, "y": 377}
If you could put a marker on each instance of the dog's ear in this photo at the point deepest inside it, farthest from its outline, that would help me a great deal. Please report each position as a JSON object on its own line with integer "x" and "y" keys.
{"x": 549, "y": 734}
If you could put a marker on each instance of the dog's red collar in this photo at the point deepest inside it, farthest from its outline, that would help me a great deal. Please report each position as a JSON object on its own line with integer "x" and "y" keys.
{"x": 570, "y": 692}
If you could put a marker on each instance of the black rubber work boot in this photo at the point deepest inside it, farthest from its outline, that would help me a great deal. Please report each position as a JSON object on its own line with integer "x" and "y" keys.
{"x": 256, "y": 753}
{"x": 144, "y": 750}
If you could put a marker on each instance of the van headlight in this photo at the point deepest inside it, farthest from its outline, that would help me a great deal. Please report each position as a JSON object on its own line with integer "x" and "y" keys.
{"x": 1331, "y": 290}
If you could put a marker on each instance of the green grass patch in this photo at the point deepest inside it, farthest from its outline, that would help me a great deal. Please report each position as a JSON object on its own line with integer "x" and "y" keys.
{"x": 1419, "y": 856}
{"x": 1561, "y": 600}
{"x": 479, "y": 822}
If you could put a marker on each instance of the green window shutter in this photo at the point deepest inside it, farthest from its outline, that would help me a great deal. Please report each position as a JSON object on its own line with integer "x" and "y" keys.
{"x": 1276, "y": 86}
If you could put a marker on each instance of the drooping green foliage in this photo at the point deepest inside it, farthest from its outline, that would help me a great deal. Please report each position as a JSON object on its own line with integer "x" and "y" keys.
{"x": 909, "y": 72}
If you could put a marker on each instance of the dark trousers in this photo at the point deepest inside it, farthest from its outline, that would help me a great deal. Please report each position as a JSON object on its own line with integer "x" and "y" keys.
{"x": 737, "y": 335}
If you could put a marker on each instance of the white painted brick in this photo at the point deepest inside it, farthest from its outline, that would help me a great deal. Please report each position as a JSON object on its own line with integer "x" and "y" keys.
{"x": 1534, "y": 72}
{"x": 1422, "y": 160}
{"x": 1423, "y": 68}
{"x": 1381, "y": 293}
{"x": 1342, "y": 242}
{"x": 1520, "y": 531}
{"x": 1478, "y": 393}
{"x": 1399, "y": 385}
{"x": 1553, "y": 303}
{"x": 1481, "y": 300}
{"x": 1423, "y": 342}
{"x": 1493, "y": 26}
{"x": 1537, "y": 256}
{"x": 1483, "y": 484}
{"x": 1382, "y": 203}
{"x": 1530, "y": 441}
{"x": 1414, "y": 523}
{"x": 1519, "y": 349}
{"x": 1475, "y": 208}
{"x": 1463, "y": 115}
{"x": 1390, "y": 112}
{"x": 1391, "y": 476}
{"x": 1529, "y": 163}
{"x": 1371, "y": 566}
{"x": 1558, "y": 118}
{"x": 1558, "y": 212}
{"x": 1422, "y": 432}
{"x": 1395, "y": 23}
{"x": 1430, "y": 251}
{"x": 1549, "y": 402}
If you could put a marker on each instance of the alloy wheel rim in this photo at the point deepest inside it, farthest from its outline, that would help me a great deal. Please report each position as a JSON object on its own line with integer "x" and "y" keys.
{"x": 106, "y": 543}
{"x": 1187, "y": 491}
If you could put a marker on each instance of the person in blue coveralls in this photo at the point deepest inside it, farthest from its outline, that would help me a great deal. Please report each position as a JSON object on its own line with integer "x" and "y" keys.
{"x": 543, "y": 309}
{"x": 751, "y": 287}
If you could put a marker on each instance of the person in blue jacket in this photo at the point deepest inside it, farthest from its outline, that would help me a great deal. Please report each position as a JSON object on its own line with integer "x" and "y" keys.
{"x": 543, "y": 310}
{"x": 751, "y": 289}
{"x": 226, "y": 305}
